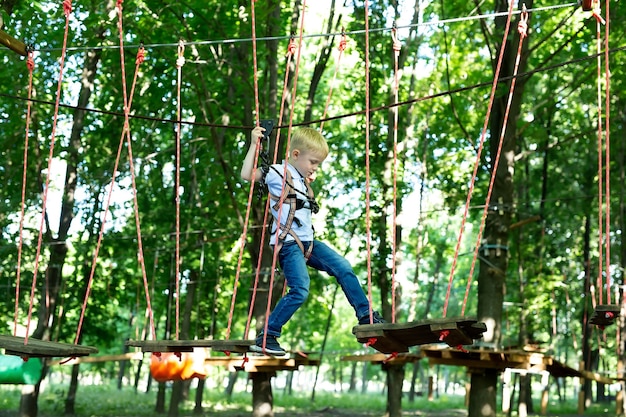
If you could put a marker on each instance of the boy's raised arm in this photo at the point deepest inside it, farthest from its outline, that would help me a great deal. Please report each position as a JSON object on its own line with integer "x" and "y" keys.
{"x": 248, "y": 161}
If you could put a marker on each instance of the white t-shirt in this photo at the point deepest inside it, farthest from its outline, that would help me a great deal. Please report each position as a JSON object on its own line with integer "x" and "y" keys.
{"x": 301, "y": 225}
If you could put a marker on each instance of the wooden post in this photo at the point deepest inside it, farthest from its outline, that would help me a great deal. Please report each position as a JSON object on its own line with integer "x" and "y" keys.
{"x": 430, "y": 388}
{"x": 262, "y": 398}
{"x": 506, "y": 391}
{"x": 395, "y": 380}
{"x": 545, "y": 382}
{"x": 581, "y": 391}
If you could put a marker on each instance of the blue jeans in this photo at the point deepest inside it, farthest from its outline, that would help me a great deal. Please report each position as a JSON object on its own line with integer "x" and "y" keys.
{"x": 294, "y": 266}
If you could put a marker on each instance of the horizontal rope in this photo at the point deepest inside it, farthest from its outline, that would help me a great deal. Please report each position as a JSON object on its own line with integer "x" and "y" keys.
{"x": 317, "y": 35}
{"x": 342, "y": 116}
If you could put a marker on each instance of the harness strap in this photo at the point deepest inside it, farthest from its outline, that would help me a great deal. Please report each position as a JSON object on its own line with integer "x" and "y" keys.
{"x": 285, "y": 229}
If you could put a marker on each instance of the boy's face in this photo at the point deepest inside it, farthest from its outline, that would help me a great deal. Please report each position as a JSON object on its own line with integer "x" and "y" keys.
{"x": 307, "y": 162}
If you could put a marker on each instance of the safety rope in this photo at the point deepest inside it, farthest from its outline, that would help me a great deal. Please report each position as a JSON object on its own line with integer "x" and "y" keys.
{"x": 180, "y": 61}
{"x": 30, "y": 64}
{"x": 291, "y": 49}
{"x": 607, "y": 121}
{"x": 478, "y": 160}
{"x": 341, "y": 48}
{"x": 368, "y": 237}
{"x": 397, "y": 47}
{"x": 244, "y": 232}
{"x": 125, "y": 135}
{"x": 67, "y": 9}
{"x": 277, "y": 247}
{"x": 522, "y": 29}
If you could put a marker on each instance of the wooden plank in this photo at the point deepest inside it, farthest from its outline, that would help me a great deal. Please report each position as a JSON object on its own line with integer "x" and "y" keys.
{"x": 262, "y": 363}
{"x": 236, "y": 346}
{"x": 396, "y": 337}
{"x": 402, "y": 358}
{"x": 35, "y": 348}
{"x": 103, "y": 358}
{"x": 605, "y": 315}
{"x": 12, "y": 43}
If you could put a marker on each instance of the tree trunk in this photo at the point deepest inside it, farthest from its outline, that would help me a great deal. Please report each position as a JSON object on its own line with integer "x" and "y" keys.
{"x": 262, "y": 397}
{"x": 395, "y": 380}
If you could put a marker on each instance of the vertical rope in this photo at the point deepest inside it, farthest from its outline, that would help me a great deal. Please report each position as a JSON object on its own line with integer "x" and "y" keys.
{"x": 523, "y": 33}
{"x": 67, "y": 9}
{"x": 397, "y": 46}
{"x": 244, "y": 232}
{"x": 368, "y": 238}
{"x": 291, "y": 48}
{"x": 341, "y": 48}
{"x": 607, "y": 110}
{"x": 180, "y": 61}
{"x": 280, "y": 206}
{"x": 125, "y": 134}
{"x": 30, "y": 64}
{"x": 601, "y": 207}
{"x": 478, "y": 159}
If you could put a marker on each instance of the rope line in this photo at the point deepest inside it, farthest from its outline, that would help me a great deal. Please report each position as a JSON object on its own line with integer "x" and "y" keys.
{"x": 318, "y": 35}
{"x": 523, "y": 34}
{"x": 180, "y": 61}
{"x": 607, "y": 75}
{"x": 368, "y": 242}
{"x": 477, "y": 161}
{"x": 397, "y": 47}
{"x": 30, "y": 64}
{"x": 277, "y": 247}
{"x": 244, "y": 232}
{"x": 601, "y": 208}
{"x": 327, "y": 119}
{"x": 67, "y": 9}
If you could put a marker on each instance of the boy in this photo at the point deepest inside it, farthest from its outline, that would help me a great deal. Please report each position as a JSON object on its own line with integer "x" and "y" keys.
{"x": 295, "y": 241}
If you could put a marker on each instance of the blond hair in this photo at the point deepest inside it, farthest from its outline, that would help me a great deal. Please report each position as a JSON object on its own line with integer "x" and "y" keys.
{"x": 307, "y": 139}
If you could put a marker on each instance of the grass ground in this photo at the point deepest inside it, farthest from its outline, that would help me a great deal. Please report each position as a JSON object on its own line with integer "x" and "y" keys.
{"x": 107, "y": 401}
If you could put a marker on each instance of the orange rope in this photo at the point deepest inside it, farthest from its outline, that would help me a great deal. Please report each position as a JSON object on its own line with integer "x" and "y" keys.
{"x": 342, "y": 47}
{"x": 522, "y": 28}
{"x": 291, "y": 48}
{"x": 125, "y": 134}
{"x": 368, "y": 237}
{"x": 67, "y": 9}
{"x": 30, "y": 64}
{"x": 280, "y": 206}
{"x": 244, "y": 232}
{"x": 397, "y": 46}
{"x": 180, "y": 61}
{"x": 477, "y": 162}
{"x": 607, "y": 153}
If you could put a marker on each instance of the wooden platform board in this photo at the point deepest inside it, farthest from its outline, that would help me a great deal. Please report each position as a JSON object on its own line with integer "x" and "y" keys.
{"x": 263, "y": 363}
{"x": 605, "y": 315}
{"x": 399, "y": 337}
{"x": 35, "y": 348}
{"x": 234, "y": 346}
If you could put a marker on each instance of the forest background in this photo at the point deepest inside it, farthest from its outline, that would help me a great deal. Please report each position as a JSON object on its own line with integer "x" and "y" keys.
{"x": 545, "y": 249}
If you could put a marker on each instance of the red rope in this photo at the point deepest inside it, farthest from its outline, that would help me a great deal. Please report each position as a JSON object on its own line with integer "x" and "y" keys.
{"x": 341, "y": 47}
{"x": 599, "y": 280}
{"x": 368, "y": 238}
{"x": 124, "y": 135}
{"x": 30, "y": 64}
{"x": 522, "y": 27}
{"x": 607, "y": 140}
{"x": 477, "y": 161}
{"x": 244, "y": 233}
{"x": 280, "y": 206}
{"x": 180, "y": 61}
{"x": 397, "y": 46}
{"x": 290, "y": 50}
{"x": 67, "y": 8}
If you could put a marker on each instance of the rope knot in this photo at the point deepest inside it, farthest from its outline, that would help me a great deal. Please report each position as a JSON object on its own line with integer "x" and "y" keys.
{"x": 67, "y": 7}
{"x": 443, "y": 334}
{"x": 291, "y": 48}
{"x": 391, "y": 357}
{"x": 397, "y": 45}
{"x": 522, "y": 26}
{"x": 141, "y": 56}
{"x": 370, "y": 341}
{"x": 119, "y": 4}
{"x": 343, "y": 42}
{"x": 30, "y": 62}
{"x": 180, "y": 61}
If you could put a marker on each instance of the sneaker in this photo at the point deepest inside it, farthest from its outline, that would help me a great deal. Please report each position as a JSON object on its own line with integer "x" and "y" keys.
{"x": 271, "y": 346}
{"x": 376, "y": 318}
